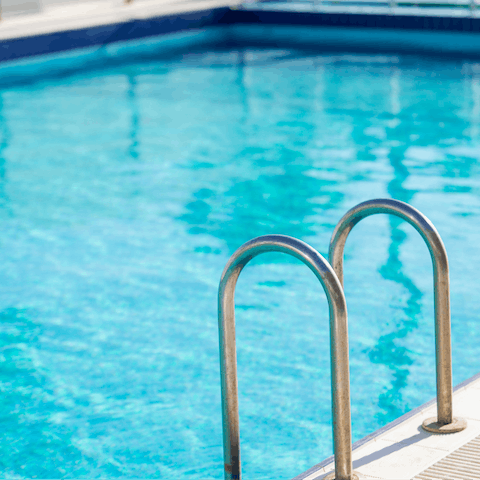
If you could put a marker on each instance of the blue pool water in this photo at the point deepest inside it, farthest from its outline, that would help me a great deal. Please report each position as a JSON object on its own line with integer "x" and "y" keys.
{"x": 125, "y": 189}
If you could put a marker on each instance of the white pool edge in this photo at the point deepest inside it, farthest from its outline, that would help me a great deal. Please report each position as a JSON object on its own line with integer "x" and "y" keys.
{"x": 64, "y": 18}
{"x": 377, "y": 456}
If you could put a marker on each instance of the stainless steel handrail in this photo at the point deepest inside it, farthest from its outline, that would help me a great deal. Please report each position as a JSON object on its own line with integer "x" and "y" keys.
{"x": 445, "y": 422}
{"x": 463, "y": 8}
{"x": 342, "y": 441}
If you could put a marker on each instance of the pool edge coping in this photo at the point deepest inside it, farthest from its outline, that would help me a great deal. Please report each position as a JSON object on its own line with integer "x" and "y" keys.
{"x": 395, "y": 423}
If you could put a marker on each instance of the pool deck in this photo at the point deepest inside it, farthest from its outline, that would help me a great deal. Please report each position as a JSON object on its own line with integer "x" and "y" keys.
{"x": 404, "y": 451}
{"x": 81, "y": 15}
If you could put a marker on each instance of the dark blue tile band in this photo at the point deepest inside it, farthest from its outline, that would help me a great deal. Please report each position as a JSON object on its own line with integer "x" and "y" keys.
{"x": 88, "y": 37}
{"x": 136, "y": 29}
{"x": 449, "y": 24}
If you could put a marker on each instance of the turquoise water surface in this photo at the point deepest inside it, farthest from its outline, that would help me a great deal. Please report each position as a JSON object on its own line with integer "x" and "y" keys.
{"x": 125, "y": 189}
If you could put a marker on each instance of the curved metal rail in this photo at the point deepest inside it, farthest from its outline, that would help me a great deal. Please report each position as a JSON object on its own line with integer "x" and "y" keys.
{"x": 445, "y": 423}
{"x": 342, "y": 441}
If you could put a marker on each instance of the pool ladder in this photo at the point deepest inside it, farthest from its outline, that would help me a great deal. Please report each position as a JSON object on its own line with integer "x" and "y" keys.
{"x": 332, "y": 283}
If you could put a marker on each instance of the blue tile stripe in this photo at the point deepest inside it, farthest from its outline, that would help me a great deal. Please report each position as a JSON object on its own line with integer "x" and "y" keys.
{"x": 447, "y": 24}
{"x": 103, "y": 35}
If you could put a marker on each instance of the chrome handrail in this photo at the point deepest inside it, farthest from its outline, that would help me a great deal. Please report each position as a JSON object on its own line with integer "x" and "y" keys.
{"x": 445, "y": 422}
{"x": 462, "y": 8}
{"x": 342, "y": 439}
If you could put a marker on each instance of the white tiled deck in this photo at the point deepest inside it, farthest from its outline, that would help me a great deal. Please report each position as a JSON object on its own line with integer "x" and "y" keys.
{"x": 78, "y": 15}
{"x": 462, "y": 464}
{"x": 407, "y": 452}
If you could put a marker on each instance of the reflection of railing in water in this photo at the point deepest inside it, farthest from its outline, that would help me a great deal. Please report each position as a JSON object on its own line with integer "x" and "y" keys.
{"x": 394, "y": 270}
{"x": 132, "y": 84}
{"x": 4, "y": 141}
{"x": 387, "y": 350}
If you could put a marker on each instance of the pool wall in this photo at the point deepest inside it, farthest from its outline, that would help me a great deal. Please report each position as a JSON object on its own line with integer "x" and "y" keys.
{"x": 26, "y": 46}
{"x": 333, "y": 31}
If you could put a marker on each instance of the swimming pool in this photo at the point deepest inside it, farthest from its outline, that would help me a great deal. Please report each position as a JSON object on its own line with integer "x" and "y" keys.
{"x": 126, "y": 188}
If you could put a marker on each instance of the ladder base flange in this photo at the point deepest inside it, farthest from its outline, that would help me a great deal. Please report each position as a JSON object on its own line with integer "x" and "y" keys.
{"x": 431, "y": 425}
